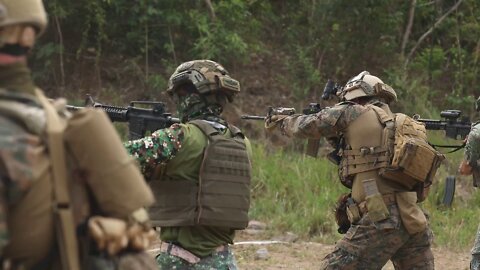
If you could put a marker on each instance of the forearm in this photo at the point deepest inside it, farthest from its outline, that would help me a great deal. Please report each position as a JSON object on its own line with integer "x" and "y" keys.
{"x": 309, "y": 126}
{"x": 160, "y": 147}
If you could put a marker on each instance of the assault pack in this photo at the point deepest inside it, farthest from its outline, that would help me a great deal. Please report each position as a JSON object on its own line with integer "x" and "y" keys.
{"x": 413, "y": 161}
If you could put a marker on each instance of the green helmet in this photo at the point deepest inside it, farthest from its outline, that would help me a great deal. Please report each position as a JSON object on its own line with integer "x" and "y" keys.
{"x": 366, "y": 85}
{"x": 477, "y": 104}
{"x": 29, "y": 12}
{"x": 208, "y": 77}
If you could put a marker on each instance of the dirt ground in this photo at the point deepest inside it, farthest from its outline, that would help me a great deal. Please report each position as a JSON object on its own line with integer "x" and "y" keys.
{"x": 301, "y": 255}
{"x": 307, "y": 255}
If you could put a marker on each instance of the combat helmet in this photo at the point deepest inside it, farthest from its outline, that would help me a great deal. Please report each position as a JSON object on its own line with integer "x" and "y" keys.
{"x": 28, "y": 12}
{"x": 208, "y": 77}
{"x": 366, "y": 85}
{"x": 477, "y": 104}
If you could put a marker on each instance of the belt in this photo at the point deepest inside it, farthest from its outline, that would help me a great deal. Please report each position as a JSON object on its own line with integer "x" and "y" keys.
{"x": 388, "y": 198}
{"x": 182, "y": 253}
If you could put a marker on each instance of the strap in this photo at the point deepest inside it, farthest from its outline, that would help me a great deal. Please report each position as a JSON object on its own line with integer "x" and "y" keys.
{"x": 64, "y": 225}
{"x": 211, "y": 132}
{"x": 383, "y": 117}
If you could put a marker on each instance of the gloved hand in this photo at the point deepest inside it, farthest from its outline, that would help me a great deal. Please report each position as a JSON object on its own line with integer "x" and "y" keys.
{"x": 140, "y": 236}
{"x": 465, "y": 168}
{"x": 110, "y": 234}
{"x": 115, "y": 235}
{"x": 273, "y": 121}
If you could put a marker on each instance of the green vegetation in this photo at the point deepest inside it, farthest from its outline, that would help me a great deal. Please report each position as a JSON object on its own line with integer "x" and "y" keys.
{"x": 282, "y": 52}
{"x": 292, "y": 192}
{"x": 427, "y": 50}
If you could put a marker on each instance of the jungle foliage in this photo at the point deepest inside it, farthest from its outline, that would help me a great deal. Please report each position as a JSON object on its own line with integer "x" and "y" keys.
{"x": 426, "y": 49}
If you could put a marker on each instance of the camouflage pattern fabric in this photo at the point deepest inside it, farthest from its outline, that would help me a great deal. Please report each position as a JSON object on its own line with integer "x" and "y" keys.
{"x": 17, "y": 168}
{"x": 472, "y": 156}
{"x": 327, "y": 123}
{"x": 369, "y": 245}
{"x": 472, "y": 148}
{"x": 224, "y": 260}
{"x": 152, "y": 150}
{"x": 475, "y": 263}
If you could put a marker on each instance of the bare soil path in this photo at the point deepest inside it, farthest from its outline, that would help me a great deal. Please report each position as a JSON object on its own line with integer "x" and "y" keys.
{"x": 307, "y": 255}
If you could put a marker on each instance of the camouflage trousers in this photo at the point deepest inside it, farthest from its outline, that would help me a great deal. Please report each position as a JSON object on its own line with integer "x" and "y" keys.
{"x": 475, "y": 263}
{"x": 369, "y": 245}
{"x": 223, "y": 260}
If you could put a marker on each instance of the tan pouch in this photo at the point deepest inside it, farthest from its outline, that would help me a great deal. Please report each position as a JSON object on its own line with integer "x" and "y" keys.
{"x": 353, "y": 213}
{"x": 412, "y": 216}
{"x": 377, "y": 210}
{"x": 113, "y": 176}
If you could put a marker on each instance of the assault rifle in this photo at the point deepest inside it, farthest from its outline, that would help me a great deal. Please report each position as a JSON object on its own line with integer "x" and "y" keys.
{"x": 454, "y": 127}
{"x": 140, "y": 120}
{"x": 330, "y": 90}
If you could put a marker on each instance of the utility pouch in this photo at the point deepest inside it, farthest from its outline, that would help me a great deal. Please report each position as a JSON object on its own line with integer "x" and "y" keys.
{"x": 412, "y": 216}
{"x": 353, "y": 212}
{"x": 377, "y": 210}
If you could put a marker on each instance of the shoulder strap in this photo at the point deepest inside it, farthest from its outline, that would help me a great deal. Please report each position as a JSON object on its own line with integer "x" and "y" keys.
{"x": 211, "y": 132}
{"x": 383, "y": 117}
{"x": 205, "y": 127}
{"x": 64, "y": 224}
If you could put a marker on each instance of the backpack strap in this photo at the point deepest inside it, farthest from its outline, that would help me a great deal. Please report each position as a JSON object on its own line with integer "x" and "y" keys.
{"x": 62, "y": 210}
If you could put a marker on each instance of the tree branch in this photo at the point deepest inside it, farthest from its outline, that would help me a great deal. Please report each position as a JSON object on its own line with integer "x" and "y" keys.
{"x": 210, "y": 8}
{"x": 429, "y": 31}
{"x": 408, "y": 29}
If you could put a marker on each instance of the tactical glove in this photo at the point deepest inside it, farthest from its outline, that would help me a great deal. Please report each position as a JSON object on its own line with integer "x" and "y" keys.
{"x": 115, "y": 235}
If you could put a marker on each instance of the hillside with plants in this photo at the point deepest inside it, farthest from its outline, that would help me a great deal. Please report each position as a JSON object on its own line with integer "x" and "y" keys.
{"x": 282, "y": 52}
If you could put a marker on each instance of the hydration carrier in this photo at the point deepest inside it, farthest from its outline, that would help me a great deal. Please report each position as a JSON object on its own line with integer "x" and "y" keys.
{"x": 412, "y": 160}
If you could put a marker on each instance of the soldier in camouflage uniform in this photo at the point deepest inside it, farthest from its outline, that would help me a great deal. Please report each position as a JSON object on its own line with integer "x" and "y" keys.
{"x": 471, "y": 165}
{"x": 386, "y": 223}
{"x": 57, "y": 209}
{"x": 199, "y": 171}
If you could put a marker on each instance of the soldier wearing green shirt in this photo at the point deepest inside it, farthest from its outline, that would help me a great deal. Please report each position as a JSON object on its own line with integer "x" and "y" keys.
{"x": 471, "y": 165}
{"x": 199, "y": 171}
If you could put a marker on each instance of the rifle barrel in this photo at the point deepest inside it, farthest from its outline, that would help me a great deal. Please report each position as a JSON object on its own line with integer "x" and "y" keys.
{"x": 253, "y": 117}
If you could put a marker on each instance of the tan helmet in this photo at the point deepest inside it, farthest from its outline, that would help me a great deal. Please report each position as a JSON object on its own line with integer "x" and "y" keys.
{"x": 28, "y": 12}
{"x": 208, "y": 77}
{"x": 366, "y": 85}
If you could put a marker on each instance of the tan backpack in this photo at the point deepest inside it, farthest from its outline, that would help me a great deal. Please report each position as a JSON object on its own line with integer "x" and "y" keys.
{"x": 413, "y": 161}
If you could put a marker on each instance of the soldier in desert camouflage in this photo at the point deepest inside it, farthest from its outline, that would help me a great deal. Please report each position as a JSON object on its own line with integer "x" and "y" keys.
{"x": 386, "y": 223}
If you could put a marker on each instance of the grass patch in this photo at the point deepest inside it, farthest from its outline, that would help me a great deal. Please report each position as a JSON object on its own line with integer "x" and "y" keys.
{"x": 292, "y": 192}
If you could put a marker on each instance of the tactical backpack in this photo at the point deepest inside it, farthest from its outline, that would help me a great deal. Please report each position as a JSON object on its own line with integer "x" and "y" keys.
{"x": 413, "y": 162}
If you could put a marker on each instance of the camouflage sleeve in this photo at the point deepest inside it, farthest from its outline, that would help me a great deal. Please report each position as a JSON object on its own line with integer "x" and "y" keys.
{"x": 17, "y": 169}
{"x": 158, "y": 148}
{"x": 472, "y": 148}
{"x": 327, "y": 123}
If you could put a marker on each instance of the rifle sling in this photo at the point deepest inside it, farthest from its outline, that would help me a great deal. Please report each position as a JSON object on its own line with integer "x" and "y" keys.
{"x": 457, "y": 147}
{"x": 64, "y": 224}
